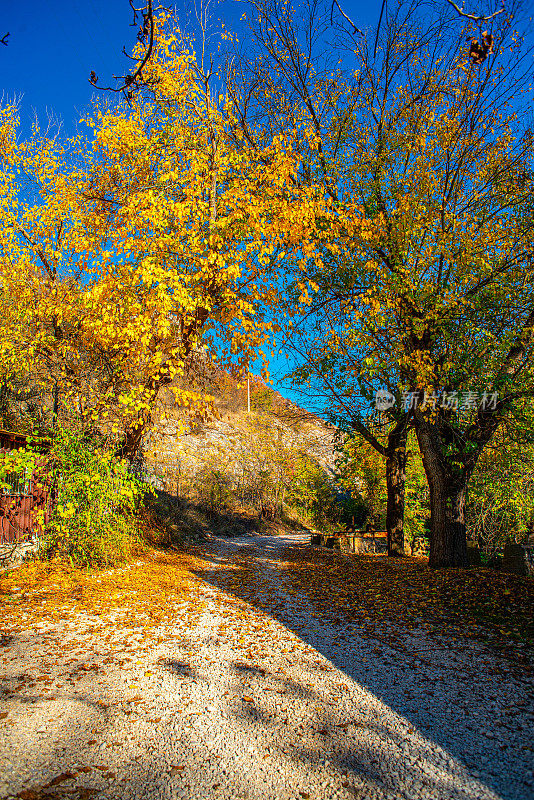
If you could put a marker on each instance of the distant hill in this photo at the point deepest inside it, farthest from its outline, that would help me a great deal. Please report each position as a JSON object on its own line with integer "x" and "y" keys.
{"x": 180, "y": 448}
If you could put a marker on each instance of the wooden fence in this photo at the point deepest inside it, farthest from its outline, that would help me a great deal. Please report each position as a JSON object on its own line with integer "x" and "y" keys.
{"x": 19, "y": 506}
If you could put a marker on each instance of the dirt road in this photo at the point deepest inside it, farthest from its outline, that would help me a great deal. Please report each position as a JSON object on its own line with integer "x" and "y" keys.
{"x": 250, "y": 687}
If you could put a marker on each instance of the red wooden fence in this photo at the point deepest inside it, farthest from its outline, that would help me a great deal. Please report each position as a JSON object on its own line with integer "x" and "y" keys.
{"x": 19, "y": 521}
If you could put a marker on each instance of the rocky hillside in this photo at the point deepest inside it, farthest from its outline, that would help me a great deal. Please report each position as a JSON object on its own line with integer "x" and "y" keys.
{"x": 181, "y": 450}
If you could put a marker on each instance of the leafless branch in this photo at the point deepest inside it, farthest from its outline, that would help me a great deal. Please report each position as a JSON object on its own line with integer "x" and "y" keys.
{"x": 474, "y": 17}
{"x": 378, "y": 26}
{"x": 335, "y": 3}
{"x": 5, "y": 38}
{"x": 133, "y": 81}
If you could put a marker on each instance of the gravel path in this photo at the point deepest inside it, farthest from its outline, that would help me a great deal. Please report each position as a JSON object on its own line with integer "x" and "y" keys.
{"x": 251, "y": 694}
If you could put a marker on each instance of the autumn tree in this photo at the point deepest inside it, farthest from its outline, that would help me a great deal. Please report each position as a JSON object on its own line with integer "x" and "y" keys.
{"x": 41, "y": 269}
{"x": 296, "y": 81}
{"x": 440, "y": 220}
{"x": 155, "y": 235}
{"x": 450, "y": 234}
{"x": 428, "y": 175}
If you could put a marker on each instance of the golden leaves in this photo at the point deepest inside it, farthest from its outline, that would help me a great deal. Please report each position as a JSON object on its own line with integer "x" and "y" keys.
{"x": 64, "y": 591}
{"x": 150, "y": 232}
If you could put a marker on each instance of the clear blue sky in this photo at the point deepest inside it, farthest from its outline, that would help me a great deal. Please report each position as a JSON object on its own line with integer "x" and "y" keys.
{"x": 52, "y": 48}
{"x": 54, "y": 45}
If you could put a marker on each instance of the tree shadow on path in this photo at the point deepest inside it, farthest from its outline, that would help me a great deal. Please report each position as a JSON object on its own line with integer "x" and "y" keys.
{"x": 455, "y": 691}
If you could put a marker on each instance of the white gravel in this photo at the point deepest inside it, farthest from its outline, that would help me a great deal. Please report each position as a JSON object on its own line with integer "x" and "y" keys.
{"x": 243, "y": 702}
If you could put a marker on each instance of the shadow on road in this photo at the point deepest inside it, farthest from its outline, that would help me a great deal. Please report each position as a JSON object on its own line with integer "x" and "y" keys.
{"x": 454, "y": 691}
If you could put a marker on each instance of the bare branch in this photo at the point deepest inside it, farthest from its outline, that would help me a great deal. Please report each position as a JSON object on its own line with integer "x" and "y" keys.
{"x": 384, "y": 2}
{"x": 5, "y": 38}
{"x": 474, "y": 17}
{"x": 130, "y": 83}
{"x": 335, "y": 3}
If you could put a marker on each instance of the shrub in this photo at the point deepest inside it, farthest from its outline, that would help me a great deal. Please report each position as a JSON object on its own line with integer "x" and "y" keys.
{"x": 215, "y": 489}
{"x": 94, "y": 521}
{"x": 313, "y": 495}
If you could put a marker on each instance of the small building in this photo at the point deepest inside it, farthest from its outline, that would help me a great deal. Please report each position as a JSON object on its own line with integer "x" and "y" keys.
{"x": 24, "y": 498}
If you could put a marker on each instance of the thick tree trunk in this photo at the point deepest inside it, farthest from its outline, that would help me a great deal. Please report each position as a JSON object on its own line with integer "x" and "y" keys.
{"x": 395, "y": 481}
{"x": 448, "y": 546}
{"x": 55, "y": 408}
{"x": 447, "y": 485}
{"x": 132, "y": 439}
{"x": 133, "y": 435}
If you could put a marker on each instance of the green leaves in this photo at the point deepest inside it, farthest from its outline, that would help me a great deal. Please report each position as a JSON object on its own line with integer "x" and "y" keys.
{"x": 16, "y": 468}
{"x": 93, "y": 521}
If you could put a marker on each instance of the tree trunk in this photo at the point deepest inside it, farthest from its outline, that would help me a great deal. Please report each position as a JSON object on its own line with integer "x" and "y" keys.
{"x": 55, "y": 408}
{"x": 395, "y": 481}
{"x": 133, "y": 436}
{"x": 447, "y": 485}
{"x": 448, "y": 546}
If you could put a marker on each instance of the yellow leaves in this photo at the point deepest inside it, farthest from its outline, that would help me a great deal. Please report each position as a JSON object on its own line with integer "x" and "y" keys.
{"x": 119, "y": 135}
{"x": 146, "y": 587}
{"x": 175, "y": 236}
{"x": 9, "y": 151}
{"x": 68, "y": 511}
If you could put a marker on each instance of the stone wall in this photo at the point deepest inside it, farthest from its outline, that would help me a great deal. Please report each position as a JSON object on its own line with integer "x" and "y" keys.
{"x": 418, "y": 547}
{"x": 519, "y": 558}
{"x": 359, "y": 543}
{"x": 15, "y": 553}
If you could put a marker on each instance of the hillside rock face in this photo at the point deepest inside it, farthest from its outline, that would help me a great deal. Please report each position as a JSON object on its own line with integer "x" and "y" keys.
{"x": 178, "y": 450}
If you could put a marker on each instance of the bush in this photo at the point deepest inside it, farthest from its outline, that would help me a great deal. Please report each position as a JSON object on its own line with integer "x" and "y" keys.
{"x": 94, "y": 521}
{"x": 313, "y": 495}
{"x": 215, "y": 490}
{"x": 262, "y": 400}
{"x": 500, "y": 504}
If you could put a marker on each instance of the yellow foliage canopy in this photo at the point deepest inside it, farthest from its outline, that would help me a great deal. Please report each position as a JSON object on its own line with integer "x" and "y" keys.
{"x": 157, "y": 236}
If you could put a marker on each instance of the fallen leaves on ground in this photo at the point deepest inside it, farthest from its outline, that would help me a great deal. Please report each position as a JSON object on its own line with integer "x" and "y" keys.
{"x": 369, "y": 589}
{"x": 365, "y": 589}
{"x": 408, "y": 590}
{"x": 145, "y": 592}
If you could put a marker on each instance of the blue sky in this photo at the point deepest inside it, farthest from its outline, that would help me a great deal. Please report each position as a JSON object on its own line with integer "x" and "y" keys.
{"x": 54, "y": 45}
